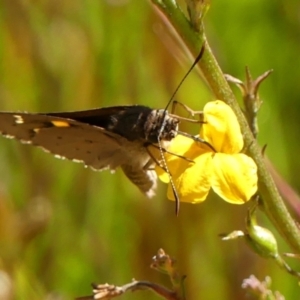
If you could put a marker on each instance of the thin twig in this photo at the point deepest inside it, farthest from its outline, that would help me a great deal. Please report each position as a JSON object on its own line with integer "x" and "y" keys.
{"x": 161, "y": 262}
{"x": 109, "y": 291}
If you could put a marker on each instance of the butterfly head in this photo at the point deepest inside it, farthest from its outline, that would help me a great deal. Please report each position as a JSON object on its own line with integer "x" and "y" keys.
{"x": 161, "y": 126}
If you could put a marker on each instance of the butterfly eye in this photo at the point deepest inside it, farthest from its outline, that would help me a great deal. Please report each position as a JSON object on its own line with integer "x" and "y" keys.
{"x": 172, "y": 134}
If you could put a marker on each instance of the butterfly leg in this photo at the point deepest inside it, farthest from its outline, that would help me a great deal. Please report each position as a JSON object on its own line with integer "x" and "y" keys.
{"x": 192, "y": 113}
{"x": 163, "y": 164}
{"x": 165, "y": 151}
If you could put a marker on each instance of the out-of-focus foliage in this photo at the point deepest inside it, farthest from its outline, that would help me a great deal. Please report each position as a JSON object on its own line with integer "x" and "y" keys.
{"x": 63, "y": 226}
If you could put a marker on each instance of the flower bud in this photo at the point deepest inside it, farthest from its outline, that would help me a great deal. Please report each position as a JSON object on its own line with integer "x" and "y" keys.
{"x": 261, "y": 240}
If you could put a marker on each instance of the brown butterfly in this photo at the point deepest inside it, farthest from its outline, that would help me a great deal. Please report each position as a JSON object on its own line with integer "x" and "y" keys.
{"x": 103, "y": 138}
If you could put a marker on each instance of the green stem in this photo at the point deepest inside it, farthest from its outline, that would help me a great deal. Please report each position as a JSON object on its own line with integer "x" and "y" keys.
{"x": 272, "y": 201}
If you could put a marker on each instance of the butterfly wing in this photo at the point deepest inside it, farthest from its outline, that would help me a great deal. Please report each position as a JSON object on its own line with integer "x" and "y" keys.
{"x": 81, "y": 142}
{"x": 64, "y": 138}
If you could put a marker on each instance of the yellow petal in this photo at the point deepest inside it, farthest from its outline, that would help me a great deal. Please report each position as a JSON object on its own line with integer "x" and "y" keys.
{"x": 180, "y": 148}
{"x": 221, "y": 128}
{"x": 192, "y": 181}
{"x": 234, "y": 177}
{"x": 180, "y": 144}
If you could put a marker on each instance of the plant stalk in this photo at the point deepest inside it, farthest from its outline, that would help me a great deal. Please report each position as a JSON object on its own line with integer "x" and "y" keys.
{"x": 273, "y": 204}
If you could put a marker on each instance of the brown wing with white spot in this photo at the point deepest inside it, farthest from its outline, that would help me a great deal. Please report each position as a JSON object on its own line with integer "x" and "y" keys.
{"x": 80, "y": 142}
{"x": 66, "y": 138}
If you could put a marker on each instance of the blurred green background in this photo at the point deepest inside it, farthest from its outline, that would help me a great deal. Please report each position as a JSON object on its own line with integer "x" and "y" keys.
{"x": 63, "y": 226}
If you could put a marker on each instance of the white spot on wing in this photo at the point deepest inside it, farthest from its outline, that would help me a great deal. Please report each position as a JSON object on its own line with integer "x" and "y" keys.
{"x": 45, "y": 150}
{"x": 99, "y": 170}
{"x": 18, "y": 119}
{"x": 77, "y": 160}
{"x": 57, "y": 155}
{"x": 28, "y": 142}
{"x": 8, "y": 136}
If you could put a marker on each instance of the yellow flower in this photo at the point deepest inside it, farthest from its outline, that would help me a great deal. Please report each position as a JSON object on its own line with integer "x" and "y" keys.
{"x": 231, "y": 174}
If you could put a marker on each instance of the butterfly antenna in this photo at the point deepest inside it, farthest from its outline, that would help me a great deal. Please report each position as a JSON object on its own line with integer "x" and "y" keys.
{"x": 186, "y": 75}
{"x": 177, "y": 202}
{"x": 163, "y": 125}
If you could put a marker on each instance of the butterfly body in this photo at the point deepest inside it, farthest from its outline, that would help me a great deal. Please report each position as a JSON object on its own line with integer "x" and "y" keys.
{"x": 104, "y": 138}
